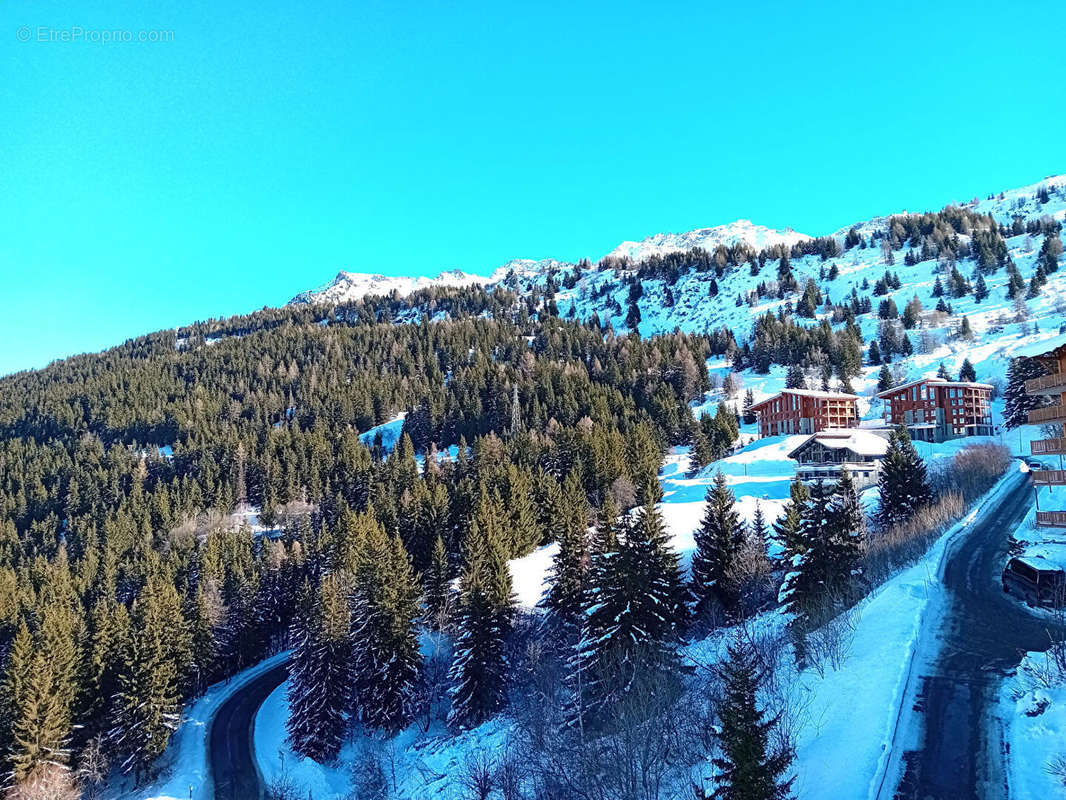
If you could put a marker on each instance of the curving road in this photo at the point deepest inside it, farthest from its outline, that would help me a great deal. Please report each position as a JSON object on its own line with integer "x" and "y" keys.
{"x": 982, "y": 637}
{"x": 231, "y": 757}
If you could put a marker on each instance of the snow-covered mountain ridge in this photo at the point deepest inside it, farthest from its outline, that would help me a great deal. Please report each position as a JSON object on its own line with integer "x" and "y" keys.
{"x": 349, "y": 286}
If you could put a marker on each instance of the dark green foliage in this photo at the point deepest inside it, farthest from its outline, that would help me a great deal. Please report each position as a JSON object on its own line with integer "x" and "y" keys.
{"x": 903, "y": 482}
{"x": 320, "y": 691}
{"x": 967, "y": 371}
{"x": 634, "y": 610}
{"x": 752, "y": 764}
{"x": 483, "y": 620}
{"x": 564, "y": 599}
{"x": 719, "y": 542}
{"x": 1017, "y": 403}
{"x": 884, "y": 378}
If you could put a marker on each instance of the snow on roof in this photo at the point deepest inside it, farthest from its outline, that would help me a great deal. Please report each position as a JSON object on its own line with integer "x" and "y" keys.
{"x": 1039, "y": 561}
{"x": 938, "y": 382}
{"x": 809, "y": 393}
{"x": 860, "y": 441}
{"x": 1042, "y": 347}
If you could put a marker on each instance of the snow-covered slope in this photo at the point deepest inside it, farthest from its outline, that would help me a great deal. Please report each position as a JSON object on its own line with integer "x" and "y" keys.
{"x": 743, "y": 231}
{"x": 695, "y": 308}
{"x": 700, "y": 300}
{"x": 348, "y": 286}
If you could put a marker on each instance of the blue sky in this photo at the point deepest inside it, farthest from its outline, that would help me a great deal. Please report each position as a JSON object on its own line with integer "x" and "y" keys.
{"x": 269, "y": 144}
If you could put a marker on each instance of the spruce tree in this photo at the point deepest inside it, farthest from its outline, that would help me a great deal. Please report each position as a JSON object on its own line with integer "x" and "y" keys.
{"x": 751, "y": 766}
{"x": 436, "y": 583}
{"x": 1017, "y": 402}
{"x": 904, "y": 487}
{"x": 884, "y": 378}
{"x": 566, "y": 583}
{"x": 320, "y": 691}
{"x": 719, "y": 540}
{"x": 36, "y": 725}
{"x": 787, "y": 526}
{"x": 384, "y": 619}
{"x": 758, "y": 525}
{"x": 634, "y": 609}
{"x": 749, "y": 401}
{"x": 146, "y": 704}
{"x": 484, "y": 619}
{"x": 967, "y": 371}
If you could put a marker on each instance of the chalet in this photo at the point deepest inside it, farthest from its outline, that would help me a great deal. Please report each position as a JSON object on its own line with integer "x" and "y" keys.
{"x": 1052, "y": 355}
{"x": 806, "y": 411}
{"x": 935, "y": 410}
{"x": 825, "y": 454}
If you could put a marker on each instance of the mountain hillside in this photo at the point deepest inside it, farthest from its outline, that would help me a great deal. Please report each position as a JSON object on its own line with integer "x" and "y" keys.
{"x": 731, "y": 276}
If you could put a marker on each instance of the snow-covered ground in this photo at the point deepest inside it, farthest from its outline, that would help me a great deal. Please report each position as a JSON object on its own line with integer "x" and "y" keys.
{"x": 848, "y": 712}
{"x": 184, "y": 764}
{"x": 1032, "y": 702}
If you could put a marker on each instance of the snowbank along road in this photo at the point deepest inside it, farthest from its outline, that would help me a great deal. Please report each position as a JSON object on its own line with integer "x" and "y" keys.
{"x": 982, "y": 637}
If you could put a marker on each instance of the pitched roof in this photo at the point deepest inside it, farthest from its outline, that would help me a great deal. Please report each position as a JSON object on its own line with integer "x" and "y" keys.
{"x": 808, "y": 393}
{"x": 859, "y": 441}
{"x": 937, "y": 382}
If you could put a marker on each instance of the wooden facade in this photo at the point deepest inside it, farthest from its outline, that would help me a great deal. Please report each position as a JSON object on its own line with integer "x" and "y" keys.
{"x": 935, "y": 410}
{"x": 806, "y": 411}
{"x": 825, "y": 454}
{"x": 1053, "y": 385}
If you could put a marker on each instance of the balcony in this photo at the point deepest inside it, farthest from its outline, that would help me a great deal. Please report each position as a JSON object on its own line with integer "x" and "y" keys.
{"x": 1051, "y": 519}
{"x": 1049, "y": 414}
{"x": 1048, "y": 447}
{"x": 1055, "y": 383}
{"x": 1049, "y": 477}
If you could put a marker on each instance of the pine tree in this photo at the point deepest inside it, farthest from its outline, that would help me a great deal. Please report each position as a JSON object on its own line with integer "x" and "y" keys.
{"x": 794, "y": 379}
{"x": 1017, "y": 402}
{"x": 146, "y": 704}
{"x": 967, "y": 371}
{"x": 719, "y": 540}
{"x": 749, "y": 401}
{"x": 980, "y": 291}
{"x": 320, "y": 691}
{"x": 387, "y": 662}
{"x": 437, "y": 586}
{"x": 942, "y": 372}
{"x": 485, "y": 611}
{"x": 566, "y": 583}
{"x": 787, "y": 526}
{"x": 634, "y": 609}
{"x": 903, "y": 484}
{"x": 750, "y": 766}
{"x": 884, "y": 378}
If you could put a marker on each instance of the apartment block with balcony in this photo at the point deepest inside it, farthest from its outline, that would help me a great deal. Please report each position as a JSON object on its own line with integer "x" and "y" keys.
{"x": 936, "y": 410}
{"x": 1052, "y": 355}
{"x": 806, "y": 411}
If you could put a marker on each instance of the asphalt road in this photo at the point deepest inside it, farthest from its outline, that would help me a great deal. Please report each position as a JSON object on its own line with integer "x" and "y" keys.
{"x": 982, "y": 636}
{"x": 232, "y": 760}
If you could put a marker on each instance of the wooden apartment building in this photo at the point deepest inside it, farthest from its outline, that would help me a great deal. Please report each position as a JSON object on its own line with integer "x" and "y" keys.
{"x": 1052, "y": 385}
{"x": 935, "y": 410}
{"x": 806, "y": 411}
